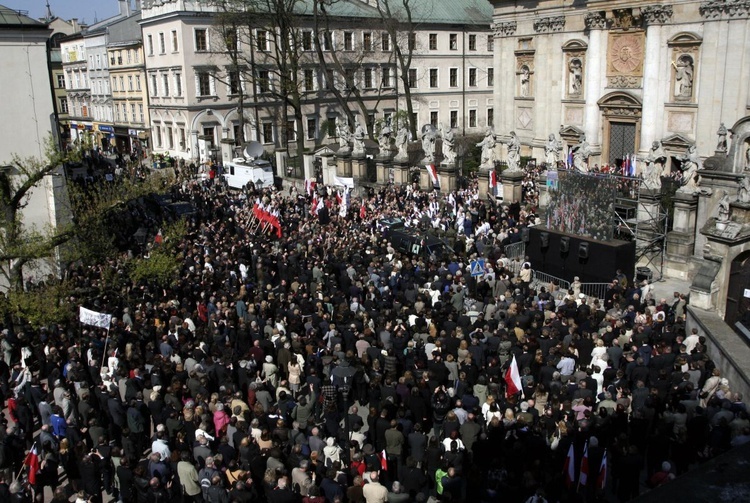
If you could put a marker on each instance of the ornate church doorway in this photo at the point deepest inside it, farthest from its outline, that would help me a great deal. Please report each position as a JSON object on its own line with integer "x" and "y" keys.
{"x": 738, "y": 293}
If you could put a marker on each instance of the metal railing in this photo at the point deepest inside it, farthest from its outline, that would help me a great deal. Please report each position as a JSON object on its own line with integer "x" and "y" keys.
{"x": 516, "y": 250}
{"x": 544, "y": 279}
{"x": 597, "y": 290}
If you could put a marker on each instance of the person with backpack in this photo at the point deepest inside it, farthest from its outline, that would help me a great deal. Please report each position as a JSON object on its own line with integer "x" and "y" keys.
{"x": 206, "y": 475}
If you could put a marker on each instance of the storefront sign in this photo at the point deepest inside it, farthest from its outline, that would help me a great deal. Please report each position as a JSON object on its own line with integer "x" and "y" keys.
{"x": 106, "y": 129}
{"x": 132, "y": 132}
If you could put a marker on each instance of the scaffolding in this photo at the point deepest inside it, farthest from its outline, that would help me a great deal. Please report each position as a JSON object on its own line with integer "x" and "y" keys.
{"x": 642, "y": 215}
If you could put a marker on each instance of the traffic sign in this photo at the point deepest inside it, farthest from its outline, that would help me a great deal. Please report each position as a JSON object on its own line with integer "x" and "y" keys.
{"x": 477, "y": 267}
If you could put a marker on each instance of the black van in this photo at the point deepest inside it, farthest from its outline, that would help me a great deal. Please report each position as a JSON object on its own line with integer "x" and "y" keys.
{"x": 419, "y": 244}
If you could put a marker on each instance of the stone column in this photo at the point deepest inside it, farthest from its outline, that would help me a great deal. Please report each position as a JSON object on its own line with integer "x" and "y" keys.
{"x": 307, "y": 166}
{"x": 681, "y": 239}
{"x": 512, "y": 189}
{"x": 653, "y": 73}
{"x": 596, "y": 23}
{"x": 447, "y": 177}
{"x": 484, "y": 183}
{"x": 359, "y": 168}
{"x": 401, "y": 173}
{"x": 344, "y": 166}
{"x": 384, "y": 170}
{"x": 541, "y": 186}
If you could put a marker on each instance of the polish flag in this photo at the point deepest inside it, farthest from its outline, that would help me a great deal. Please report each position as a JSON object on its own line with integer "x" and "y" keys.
{"x": 584, "y": 475}
{"x": 159, "y": 238}
{"x": 569, "y": 469}
{"x": 32, "y": 461}
{"x": 362, "y": 211}
{"x": 310, "y": 186}
{"x": 493, "y": 179}
{"x": 383, "y": 460}
{"x": 432, "y": 170}
{"x": 601, "y": 480}
{"x": 512, "y": 379}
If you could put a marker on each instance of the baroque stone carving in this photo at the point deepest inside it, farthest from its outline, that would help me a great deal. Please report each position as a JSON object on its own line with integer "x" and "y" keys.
{"x": 624, "y": 19}
{"x": 624, "y": 82}
{"x": 625, "y": 54}
{"x": 549, "y": 24}
{"x": 713, "y": 9}
{"x": 656, "y": 14}
{"x": 596, "y": 20}
{"x": 505, "y": 29}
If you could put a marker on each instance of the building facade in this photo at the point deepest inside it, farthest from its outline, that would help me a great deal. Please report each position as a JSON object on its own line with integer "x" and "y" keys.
{"x": 625, "y": 73}
{"x": 194, "y": 97}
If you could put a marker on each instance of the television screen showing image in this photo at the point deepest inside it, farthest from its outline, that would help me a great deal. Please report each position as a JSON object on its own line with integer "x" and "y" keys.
{"x": 582, "y": 204}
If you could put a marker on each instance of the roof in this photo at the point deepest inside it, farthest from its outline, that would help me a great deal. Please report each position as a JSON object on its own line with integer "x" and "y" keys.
{"x": 18, "y": 18}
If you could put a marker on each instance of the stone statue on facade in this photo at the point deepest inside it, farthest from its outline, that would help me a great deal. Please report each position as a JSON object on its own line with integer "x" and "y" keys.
{"x": 721, "y": 145}
{"x": 552, "y": 152}
{"x": 743, "y": 196}
{"x": 581, "y": 154}
{"x": 651, "y": 175}
{"x": 402, "y": 142}
{"x": 575, "y": 70}
{"x": 489, "y": 153}
{"x": 384, "y": 138}
{"x": 514, "y": 153}
{"x": 449, "y": 144}
{"x": 525, "y": 81}
{"x": 747, "y": 156}
{"x": 429, "y": 137}
{"x": 722, "y": 210}
{"x": 658, "y": 155}
{"x": 691, "y": 163}
{"x": 358, "y": 139}
{"x": 342, "y": 131}
{"x": 684, "y": 70}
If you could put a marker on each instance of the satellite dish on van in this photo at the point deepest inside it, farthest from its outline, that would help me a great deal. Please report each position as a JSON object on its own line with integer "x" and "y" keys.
{"x": 253, "y": 150}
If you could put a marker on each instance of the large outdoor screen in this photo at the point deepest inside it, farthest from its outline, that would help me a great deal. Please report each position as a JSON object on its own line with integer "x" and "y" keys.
{"x": 582, "y": 204}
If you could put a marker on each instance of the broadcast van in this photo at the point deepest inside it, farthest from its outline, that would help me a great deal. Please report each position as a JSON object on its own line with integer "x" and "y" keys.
{"x": 243, "y": 170}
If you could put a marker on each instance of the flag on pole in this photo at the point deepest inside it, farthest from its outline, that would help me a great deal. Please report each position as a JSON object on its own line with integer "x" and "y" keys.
{"x": 89, "y": 317}
{"x": 512, "y": 379}
{"x": 493, "y": 182}
{"x": 583, "y": 477}
{"x": 601, "y": 480}
{"x": 310, "y": 185}
{"x": 569, "y": 161}
{"x": 362, "y": 211}
{"x": 569, "y": 468}
{"x": 432, "y": 170}
{"x": 383, "y": 460}
{"x": 633, "y": 165}
{"x": 32, "y": 461}
{"x": 159, "y": 238}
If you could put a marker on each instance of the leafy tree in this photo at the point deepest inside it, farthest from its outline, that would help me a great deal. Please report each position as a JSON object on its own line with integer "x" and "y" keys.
{"x": 162, "y": 265}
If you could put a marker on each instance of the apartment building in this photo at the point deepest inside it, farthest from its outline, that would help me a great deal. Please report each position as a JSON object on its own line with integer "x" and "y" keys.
{"x": 194, "y": 96}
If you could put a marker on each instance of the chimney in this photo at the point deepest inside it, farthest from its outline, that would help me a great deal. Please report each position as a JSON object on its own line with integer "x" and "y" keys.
{"x": 124, "y": 7}
{"x": 76, "y": 26}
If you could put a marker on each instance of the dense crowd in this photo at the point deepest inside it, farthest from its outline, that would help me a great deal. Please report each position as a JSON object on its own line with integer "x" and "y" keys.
{"x": 326, "y": 366}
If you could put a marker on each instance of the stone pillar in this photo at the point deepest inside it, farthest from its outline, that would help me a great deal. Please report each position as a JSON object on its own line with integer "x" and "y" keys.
{"x": 359, "y": 168}
{"x": 401, "y": 173}
{"x": 384, "y": 170}
{"x": 425, "y": 182}
{"x": 344, "y": 166}
{"x": 484, "y": 183}
{"x": 512, "y": 189}
{"x": 307, "y": 165}
{"x": 282, "y": 161}
{"x": 447, "y": 177}
{"x": 541, "y": 186}
{"x": 649, "y": 207}
{"x": 681, "y": 240}
{"x": 594, "y": 71}
{"x": 653, "y": 75}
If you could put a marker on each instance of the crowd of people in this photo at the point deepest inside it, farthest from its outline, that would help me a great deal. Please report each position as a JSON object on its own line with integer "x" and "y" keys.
{"x": 326, "y": 366}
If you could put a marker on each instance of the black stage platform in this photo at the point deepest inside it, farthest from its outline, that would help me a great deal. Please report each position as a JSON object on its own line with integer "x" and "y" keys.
{"x": 598, "y": 264}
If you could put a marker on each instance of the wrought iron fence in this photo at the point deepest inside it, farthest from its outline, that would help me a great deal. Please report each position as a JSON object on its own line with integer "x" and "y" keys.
{"x": 295, "y": 168}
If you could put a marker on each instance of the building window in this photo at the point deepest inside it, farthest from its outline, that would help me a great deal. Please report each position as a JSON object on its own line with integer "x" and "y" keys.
{"x": 201, "y": 39}
{"x": 154, "y": 86}
{"x": 165, "y": 82}
{"x": 122, "y": 84}
{"x": 204, "y": 84}
{"x": 209, "y": 133}
{"x": 433, "y": 77}
{"x": 490, "y": 43}
{"x": 434, "y": 118}
{"x": 99, "y": 61}
{"x": 368, "y": 78}
{"x": 61, "y": 81}
{"x": 307, "y": 41}
{"x": 490, "y": 117}
{"x": 367, "y": 41}
{"x": 162, "y": 44}
{"x": 308, "y": 80}
{"x": 138, "y": 82}
{"x": 454, "y": 77}
{"x": 350, "y": 76}
{"x": 472, "y": 77}
{"x": 117, "y": 113}
{"x": 267, "y": 132}
{"x": 348, "y": 41}
{"x": 230, "y": 40}
{"x": 114, "y": 84}
{"x": 157, "y": 134}
{"x": 385, "y": 42}
{"x": 490, "y": 77}
{"x": 312, "y": 126}
{"x": 63, "y": 105}
{"x": 330, "y": 79}
{"x": 150, "y": 43}
{"x": 130, "y": 55}
{"x": 387, "y": 77}
{"x": 326, "y": 41}
{"x": 412, "y": 41}
{"x": 263, "y": 81}
{"x": 433, "y": 41}
{"x": 170, "y": 138}
{"x": 454, "y": 118}
{"x": 454, "y": 42}
{"x": 178, "y": 84}
{"x": 124, "y": 113}
{"x": 234, "y": 82}
{"x": 291, "y": 131}
{"x": 181, "y": 132}
{"x": 132, "y": 112}
{"x": 412, "y": 78}
{"x": 472, "y": 118}
{"x": 137, "y": 57}
{"x": 130, "y": 82}
{"x": 262, "y": 38}
{"x": 472, "y": 42}
{"x": 175, "y": 45}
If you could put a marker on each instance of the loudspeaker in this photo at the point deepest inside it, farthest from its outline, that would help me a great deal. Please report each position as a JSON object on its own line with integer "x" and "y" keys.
{"x": 583, "y": 250}
{"x": 544, "y": 238}
{"x": 525, "y": 234}
{"x": 564, "y": 244}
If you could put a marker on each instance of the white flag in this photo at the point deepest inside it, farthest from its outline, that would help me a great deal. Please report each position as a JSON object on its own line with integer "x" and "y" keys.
{"x": 89, "y": 317}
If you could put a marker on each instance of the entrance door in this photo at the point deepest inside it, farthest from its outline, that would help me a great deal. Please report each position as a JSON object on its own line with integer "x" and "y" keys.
{"x": 738, "y": 305}
{"x": 621, "y": 141}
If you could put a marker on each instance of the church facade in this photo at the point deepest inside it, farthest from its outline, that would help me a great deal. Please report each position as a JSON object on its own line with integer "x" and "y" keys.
{"x": 623, "y": 73}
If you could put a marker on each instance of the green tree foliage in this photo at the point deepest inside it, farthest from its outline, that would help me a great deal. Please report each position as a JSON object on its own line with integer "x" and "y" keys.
{"x": 162, "y": 265}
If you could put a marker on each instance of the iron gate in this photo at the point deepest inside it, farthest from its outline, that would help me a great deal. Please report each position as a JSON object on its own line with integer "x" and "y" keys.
{"x": 621, "y": 141}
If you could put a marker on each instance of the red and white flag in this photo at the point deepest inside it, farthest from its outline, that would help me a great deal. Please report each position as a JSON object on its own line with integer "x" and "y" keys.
{"x": 159, "y": 238}
{"x": 362, "y": 211}
{"x": 601, "y": 480}
{"x": 432, "y": 170}
{"x": 383, "y": 460}
{"x": 310, "y": 185}
{"x": 493, "y": 179}
{"x": 583, "y": 477}
{"x": 512, "y": 379}
{"x": 569, "y": 468}
{"x": 32, "y": 461}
